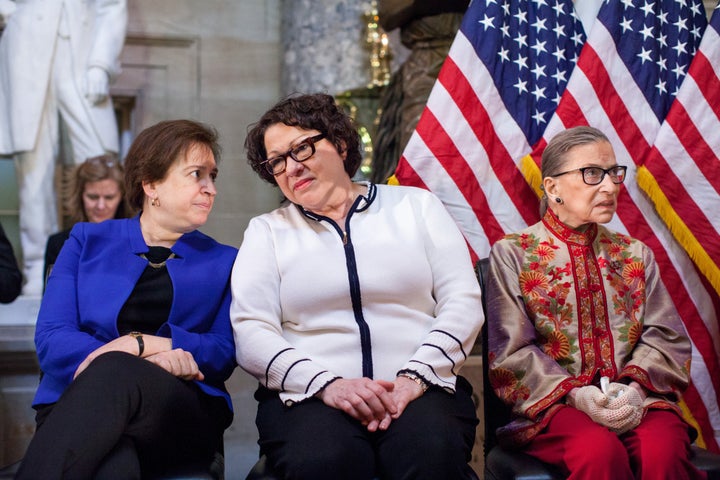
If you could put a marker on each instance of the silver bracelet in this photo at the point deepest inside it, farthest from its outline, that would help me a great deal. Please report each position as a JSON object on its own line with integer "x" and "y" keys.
{"x": 415, "y": 378}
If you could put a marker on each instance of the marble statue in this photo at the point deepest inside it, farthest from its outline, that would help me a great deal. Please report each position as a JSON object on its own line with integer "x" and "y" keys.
{"x": 57, "y": 60}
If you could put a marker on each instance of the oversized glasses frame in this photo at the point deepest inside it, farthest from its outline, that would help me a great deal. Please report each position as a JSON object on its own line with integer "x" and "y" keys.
{"x": 595, "y": 175}
{"x": 300, "y": 152}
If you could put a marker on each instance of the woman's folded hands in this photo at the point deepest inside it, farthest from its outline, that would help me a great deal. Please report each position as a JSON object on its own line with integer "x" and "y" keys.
{"x": 374, "y": 403}
{"x": 619, "y": 407}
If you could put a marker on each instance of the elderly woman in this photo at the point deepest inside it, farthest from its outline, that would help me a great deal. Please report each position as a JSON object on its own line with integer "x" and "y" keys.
{"x": 133, "y": 335}
{"x": 355, "y": 306}
{"x": 585, "y": 344}
{"x": 97, "y": 193}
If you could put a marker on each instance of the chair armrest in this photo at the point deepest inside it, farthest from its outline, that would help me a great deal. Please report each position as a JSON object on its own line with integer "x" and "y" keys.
{"x": 706, "y": 461}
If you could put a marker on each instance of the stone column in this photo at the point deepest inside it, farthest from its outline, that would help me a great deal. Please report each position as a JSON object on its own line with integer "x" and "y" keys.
{"x": 324, "y": 46}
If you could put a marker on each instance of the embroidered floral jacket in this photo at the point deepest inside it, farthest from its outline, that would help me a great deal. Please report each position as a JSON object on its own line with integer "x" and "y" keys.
{"x": 567, "y": 307}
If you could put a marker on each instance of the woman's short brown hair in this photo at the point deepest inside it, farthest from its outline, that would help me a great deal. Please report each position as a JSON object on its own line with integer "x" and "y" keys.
{"x": 95, "y": 169}
{"x": 157, "y": 147}
{"x": 316, "y": 111}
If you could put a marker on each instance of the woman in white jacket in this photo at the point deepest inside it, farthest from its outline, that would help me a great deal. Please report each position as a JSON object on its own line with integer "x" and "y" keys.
{"x": 354, "y": 305}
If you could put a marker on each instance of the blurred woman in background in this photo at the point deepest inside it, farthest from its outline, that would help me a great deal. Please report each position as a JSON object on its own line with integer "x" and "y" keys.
{"x": 97, "y": 193}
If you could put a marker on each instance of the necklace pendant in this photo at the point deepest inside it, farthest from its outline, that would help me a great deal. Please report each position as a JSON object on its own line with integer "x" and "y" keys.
{"x": 160, "y": 264}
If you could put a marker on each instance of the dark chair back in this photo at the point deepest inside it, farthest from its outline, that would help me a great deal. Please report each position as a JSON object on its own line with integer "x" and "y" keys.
{"x": 499, "y": 411}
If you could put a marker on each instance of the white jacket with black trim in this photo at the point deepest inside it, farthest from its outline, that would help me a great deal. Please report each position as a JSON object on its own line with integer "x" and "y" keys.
{"x": 392, "y": 290}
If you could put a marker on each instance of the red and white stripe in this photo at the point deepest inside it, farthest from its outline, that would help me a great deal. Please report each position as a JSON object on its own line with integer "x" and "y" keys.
{"x": 683, "y": 170}
{"x": 465, "y": 119}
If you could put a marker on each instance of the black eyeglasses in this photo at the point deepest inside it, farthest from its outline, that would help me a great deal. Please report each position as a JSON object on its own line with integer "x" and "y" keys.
{"x": 299, "y": 153}
{"x": 595, "y": 175}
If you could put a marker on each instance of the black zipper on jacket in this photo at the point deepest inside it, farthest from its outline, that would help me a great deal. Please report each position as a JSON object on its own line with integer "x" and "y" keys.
{"x": 356, "y": 297}
{"x": 353, "y": 278}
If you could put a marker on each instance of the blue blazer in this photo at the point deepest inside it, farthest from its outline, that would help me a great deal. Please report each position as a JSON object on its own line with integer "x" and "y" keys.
{"x": 95, "y": 274}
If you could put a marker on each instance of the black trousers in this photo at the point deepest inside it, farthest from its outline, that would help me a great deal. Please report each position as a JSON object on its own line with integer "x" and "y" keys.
{"x": 432, "y": 439}
{"x": 121, "y": 417}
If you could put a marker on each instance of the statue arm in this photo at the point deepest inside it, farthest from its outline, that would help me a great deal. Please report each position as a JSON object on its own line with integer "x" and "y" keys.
{"x": 104, "y": 60}
{"x": 111, "y": 26}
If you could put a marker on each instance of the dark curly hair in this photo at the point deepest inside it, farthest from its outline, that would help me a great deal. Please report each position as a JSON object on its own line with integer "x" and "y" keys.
{"x": 317, "y": 111}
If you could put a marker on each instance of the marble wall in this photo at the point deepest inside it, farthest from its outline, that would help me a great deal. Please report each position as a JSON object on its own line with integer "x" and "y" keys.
{"x": 215, "y": 61}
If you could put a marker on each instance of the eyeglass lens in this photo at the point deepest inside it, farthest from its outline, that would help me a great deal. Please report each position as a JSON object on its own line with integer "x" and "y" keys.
{"x": 595, "y": 175}
{"x": 299, "y": 153}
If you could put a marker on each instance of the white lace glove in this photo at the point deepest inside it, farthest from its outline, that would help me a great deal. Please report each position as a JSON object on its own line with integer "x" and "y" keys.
{"x": 626, "y": 403}
{"x": 589, "y": 399}
{"x": 617, "y": 414}
{"x": 619, "y": 420}
{"x": 620, "y": 394}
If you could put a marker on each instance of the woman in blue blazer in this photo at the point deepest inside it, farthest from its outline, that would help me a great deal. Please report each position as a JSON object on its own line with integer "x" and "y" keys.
{"x": 133, "y": 335}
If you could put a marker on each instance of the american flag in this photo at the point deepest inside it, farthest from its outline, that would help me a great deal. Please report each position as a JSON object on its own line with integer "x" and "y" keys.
{"x": 682, "y": 173}
{"x": 472, "y": 143}
{"x": 499, "y": 86}
{"x": 682, "y": 177}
